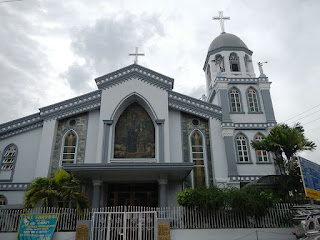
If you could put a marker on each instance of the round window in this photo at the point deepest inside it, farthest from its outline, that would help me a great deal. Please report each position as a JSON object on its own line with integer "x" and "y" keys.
{"x": 72, "y": 122}
{"x": 195, "y": 122}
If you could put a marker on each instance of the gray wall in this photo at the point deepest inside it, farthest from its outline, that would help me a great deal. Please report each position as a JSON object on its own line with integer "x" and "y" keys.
{"x": 175, "y": 136}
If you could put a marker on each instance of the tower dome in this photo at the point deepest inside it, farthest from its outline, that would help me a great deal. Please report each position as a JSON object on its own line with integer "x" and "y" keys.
{"x": 227, "y": 41}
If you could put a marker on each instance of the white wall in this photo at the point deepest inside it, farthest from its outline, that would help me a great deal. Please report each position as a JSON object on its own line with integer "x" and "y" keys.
{"x": 13, "y": 197}
{"x": 28, "y": 148}
{"x": 254, "y": 168}
{"x": 92, "y": 136}
{"x": 175, "y": 136}
{"x": 233, "y": 234}
{"x": 110, "y": 99}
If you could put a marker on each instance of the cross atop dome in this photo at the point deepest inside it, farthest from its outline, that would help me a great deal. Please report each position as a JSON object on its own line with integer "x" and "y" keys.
{"x": 221, "y": 18}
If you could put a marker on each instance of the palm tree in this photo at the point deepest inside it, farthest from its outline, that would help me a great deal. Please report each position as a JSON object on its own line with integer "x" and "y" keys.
{"x": 285, "y": 142}
{"x": 63, "y": 188}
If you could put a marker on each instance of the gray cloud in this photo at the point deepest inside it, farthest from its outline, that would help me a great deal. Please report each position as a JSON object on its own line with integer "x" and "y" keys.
{"x": 105, "y": 45}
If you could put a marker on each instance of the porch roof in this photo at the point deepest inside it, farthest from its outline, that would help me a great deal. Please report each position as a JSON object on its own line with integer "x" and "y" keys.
{"x": 124, "y": 172}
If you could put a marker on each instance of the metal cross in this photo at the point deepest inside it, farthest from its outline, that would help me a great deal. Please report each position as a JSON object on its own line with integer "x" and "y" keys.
{"x": 221, "y": 18}
{"x": 136, "y": 54}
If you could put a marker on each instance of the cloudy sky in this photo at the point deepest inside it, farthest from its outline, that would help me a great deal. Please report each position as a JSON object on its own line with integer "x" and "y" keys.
{"x": 52, "y": 50}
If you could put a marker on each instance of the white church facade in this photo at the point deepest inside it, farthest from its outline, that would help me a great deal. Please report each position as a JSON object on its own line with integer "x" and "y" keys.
{"x": 135, "y": 141}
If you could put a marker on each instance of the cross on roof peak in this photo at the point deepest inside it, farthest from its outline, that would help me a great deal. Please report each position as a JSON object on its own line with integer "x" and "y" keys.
{"x": 221, "y": 18}
{"x": 136, "y": 54}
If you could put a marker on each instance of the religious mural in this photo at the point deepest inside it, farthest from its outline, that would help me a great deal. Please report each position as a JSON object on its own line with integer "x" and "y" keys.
{"x": 135, "y": 134}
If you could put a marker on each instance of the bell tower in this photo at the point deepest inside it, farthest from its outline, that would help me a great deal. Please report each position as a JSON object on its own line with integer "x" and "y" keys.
{"x": 247, "y": 110}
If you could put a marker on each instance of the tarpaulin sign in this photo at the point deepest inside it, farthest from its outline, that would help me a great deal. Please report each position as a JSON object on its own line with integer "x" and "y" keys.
{"x": 37, "y": 226}
{"x": 310, "y": 172}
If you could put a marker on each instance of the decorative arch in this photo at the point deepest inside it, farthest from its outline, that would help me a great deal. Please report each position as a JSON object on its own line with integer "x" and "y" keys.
{"x": 69, "y": 148}
{"x": 129, "y": 99}
{"x": 253, "y": 100}
{"x": 198, "y": 157}
{"x": 234, "y": 62}
{"x": 134, "y": 133}
{"x": 9, "y": 157}
{"x": 262, "y": 155}
{"x": 242, "y": 146}
{"x": 235, "y": 100}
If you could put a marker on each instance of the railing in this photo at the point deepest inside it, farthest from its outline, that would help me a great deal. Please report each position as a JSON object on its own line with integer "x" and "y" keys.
{"x": 180, "y": 217}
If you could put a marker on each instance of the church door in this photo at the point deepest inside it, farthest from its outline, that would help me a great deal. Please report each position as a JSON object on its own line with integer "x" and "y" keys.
{"x": 137, "y": 194}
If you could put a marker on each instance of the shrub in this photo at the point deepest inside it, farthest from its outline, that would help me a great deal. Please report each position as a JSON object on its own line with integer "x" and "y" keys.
{"x": 250, "y": 200}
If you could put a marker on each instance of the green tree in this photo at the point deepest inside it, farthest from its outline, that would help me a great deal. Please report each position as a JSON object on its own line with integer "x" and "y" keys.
{"x": 61, "y": 190}
{"x": 285, "y": 143}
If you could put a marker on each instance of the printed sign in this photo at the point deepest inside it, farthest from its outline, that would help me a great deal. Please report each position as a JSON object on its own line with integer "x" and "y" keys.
{"x": 163, "y": 231}
{"x": 310, "y": 172}
{"x": 37, "y": 226}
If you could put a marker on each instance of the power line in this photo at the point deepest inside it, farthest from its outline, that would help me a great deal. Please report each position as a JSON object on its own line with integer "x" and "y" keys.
{"x": 304, "y": 116}
{"x": 311, "y": 121}
{"x": 302, "y": 113}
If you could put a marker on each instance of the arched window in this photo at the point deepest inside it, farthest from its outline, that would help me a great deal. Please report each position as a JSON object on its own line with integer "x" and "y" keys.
{"x": 134, "y": 134}
{"x": 262, "y": 155}
{"x": 3, "y": 200}
{"x": 69, "y": 148}
{"x": 253, "y": 100}
{"x": 198, "y": 158}
{"x": 246, "y": 62}
{"x": 9, "y": 157}
{"x": 242, "y": 148}
{"x": 219, "y": 63}
{"x": 234, "y": 62}
{"x": 235, "y": 100}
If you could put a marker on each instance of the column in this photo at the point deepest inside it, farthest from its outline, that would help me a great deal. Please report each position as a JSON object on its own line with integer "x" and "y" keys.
{"x": 224, "y": 101}
{"x": 160, "y": 123}
{"x": 267, "y": 102}
{"x": 163, "y": 199}
{"x": 230, "y": 151}
{"x": 47, "y": 142}
{"x": 96, "y": 193}
{"x": 105, "y": 147}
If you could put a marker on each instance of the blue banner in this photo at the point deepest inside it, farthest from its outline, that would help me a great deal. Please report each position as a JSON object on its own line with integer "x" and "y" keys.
{"x": 37, "y": 226}
{"x": 311, "y": 178}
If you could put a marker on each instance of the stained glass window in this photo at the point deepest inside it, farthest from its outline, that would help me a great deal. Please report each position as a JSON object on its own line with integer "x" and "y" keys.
{"x": 234, "y": 62}
{"x": 2, "y": 200}
{"x": 134, "y": 134}
{"x": 253, "y": 100}
{"x": 9, "y": 157}
{"x": 262, "y": 155}
{"x": 198, "y": 158}
{"x": 235, "y": 100}
{"x": 69, "y": 148}
{"x": 242, "y": 148}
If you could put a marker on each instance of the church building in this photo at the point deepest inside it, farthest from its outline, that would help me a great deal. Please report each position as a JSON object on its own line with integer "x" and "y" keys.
{"x": 135, "y": 141}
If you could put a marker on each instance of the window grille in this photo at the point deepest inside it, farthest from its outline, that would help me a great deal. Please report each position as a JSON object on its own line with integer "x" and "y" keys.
{"x": 235, "y": 100}
{"x": 246, "y": 62}
{"x": 253, "y": 100}
{"x": 198, "y": 158}
{"x": 69, "y": 148}
{"x": 262, "y": 155}
{"x": 242, "y": 148}
{"x": 9, "y": 158}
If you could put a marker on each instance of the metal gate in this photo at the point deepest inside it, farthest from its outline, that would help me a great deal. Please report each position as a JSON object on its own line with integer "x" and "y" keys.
{"x": 124, "y": 226}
